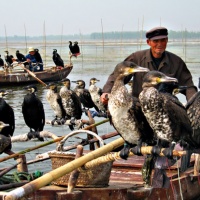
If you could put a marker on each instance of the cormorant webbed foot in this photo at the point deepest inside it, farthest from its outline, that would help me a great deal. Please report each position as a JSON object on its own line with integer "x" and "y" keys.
{"x": 156, "y": 150}
{"x": 35, "y": 134}
{"x": 125, "y": 151}
{"x": 137, "y": 150}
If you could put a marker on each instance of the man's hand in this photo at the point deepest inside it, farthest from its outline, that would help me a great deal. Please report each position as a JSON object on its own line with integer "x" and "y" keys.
{"x": 104, "y": 98}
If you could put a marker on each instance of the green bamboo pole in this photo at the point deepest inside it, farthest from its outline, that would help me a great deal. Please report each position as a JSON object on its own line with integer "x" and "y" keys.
{"x": 48, "y": 143}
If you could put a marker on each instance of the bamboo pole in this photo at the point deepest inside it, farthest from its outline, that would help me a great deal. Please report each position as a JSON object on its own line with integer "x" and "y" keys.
{"x": 61, "y": 171}
{"x": 47, "y": 143}
{"x": 69, "y": 167}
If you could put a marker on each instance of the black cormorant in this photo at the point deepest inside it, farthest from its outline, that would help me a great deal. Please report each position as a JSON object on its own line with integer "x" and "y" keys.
{"x": 84, "y": 95}
{"x": 96, "y": 93}
{"x": 125, "y": 111}
{"x": 33, "y": 111}
{"x": 4, "y": 140}
{"x": 38, "y": 56}
{"x": 74, "y": 49}
{"x": 57, "y": 59}
{"x": 1, "y": 62}
{"x": 165, "y": 113}
{"x": 8, "y": 58}
{"x": 70, "y": 100}
{"x": 20, "y": 56}
{"x": 7, "y": 116}
{"x": 54, "y": 99}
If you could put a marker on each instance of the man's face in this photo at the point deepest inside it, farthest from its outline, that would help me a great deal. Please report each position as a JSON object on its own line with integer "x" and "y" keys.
{"x": 157, "y": 46}
{"x": 32, "y": 52}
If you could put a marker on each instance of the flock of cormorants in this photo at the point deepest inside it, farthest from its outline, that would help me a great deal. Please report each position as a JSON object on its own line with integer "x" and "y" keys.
{"x": 74, "y": 50}
{"x": 157, "y": 117}
{"x": 67, "y": 104}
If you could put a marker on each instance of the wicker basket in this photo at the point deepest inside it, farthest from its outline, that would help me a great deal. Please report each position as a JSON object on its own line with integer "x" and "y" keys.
{"x": 94, "y": 177}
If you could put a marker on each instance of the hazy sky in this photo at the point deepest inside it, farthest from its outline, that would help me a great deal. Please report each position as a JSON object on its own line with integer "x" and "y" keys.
{"x": 86, "y": 16}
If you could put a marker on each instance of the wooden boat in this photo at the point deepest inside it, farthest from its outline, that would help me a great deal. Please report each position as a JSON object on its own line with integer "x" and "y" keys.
{"x": 22, "y": 77}
{"x": 125, "y": 183}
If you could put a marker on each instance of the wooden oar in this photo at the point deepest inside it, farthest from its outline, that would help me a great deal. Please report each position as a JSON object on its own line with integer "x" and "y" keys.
{"x": 47, "y": 143}
{"x": 32, "y": 74}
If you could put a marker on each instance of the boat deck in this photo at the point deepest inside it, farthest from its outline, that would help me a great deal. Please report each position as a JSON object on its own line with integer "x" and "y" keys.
{"x": 126, "y": 184}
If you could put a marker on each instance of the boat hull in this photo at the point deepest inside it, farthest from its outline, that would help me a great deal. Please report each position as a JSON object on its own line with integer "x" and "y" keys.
{"x": 22, "y": 78}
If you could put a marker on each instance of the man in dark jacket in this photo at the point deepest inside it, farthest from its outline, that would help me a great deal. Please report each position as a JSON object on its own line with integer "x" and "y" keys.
{"x": 155, "y": 58}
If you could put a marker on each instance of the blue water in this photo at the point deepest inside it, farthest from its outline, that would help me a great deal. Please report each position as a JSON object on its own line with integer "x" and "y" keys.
{"x": 95, "y": 61}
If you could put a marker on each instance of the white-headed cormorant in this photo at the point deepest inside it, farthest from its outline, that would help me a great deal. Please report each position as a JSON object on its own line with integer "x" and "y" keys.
{"x": 96, "y": 93}
{"x": 84, "y": 95}
{"x": 70, "y": 101}
{"x": 125, "y": 111}
{"x": 54, "y": 99}
{"x": 33, "y": 111}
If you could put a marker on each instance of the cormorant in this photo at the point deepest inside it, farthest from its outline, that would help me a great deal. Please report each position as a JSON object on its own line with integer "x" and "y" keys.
{"x": 193, "y": 111}
{"x": 4, "y": 140}
{"x": 70, "y": 100}
{"x": 1, "y": 62}
{"x": 57, "y": 59}
{"x": 165, "y": 114}
{"x": 125, "y": 111}
{"x": 33, "y": 111}
{"x": 74, "y": 49}
{"x": 20, "y": 56}
{"x": 38, "y": 56}
{"x": 8, "y": 58}
{"x": 96, "y": 93}
{"x": 55, "y": 101}
{"x": 7, "y": 116}
{"x": 84, "y": 95}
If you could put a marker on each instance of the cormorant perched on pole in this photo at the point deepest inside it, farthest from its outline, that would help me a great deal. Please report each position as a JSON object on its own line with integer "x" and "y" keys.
{"x": 7, "y": 116}
{"x": 57, "y": 59}
{"x": 74, "y": 50}
{"x": 8, "y": 59}
{"x": 84, "y": 95}
{"x": 96, "y": 93}
{"x": 54, "y": 99}
{"x": 125, "y": 111}
{"x": 166, "y": 115}
{"x": 33, "y": 112}
{"x": 70, "y": 101}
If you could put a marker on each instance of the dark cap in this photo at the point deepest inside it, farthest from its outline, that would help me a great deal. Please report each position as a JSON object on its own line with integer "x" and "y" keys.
{"x": 157, "y": 33}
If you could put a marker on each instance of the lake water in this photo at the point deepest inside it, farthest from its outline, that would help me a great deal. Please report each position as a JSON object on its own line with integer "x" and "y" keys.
{"x": 97, "y": 61}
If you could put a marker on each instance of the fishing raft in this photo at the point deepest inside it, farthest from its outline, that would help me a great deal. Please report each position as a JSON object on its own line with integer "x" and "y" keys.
{"x": 101, "y": 174}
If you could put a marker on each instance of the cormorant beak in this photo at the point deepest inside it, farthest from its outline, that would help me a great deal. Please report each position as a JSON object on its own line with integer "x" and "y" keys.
{"x": 138, "y": 69}
{"x": 166, "y": 79}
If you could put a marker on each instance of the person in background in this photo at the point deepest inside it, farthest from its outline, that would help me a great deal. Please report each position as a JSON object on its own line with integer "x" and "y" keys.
{"x": 1, "y": 62}
{"x": 34, "y": 65}
{"x": 155, "y": 58}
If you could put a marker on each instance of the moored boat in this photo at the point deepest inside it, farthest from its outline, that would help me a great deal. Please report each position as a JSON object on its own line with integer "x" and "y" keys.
{"x": 22, "y": 77}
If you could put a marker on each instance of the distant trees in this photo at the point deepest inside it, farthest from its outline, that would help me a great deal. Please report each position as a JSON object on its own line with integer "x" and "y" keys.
{"x": 114, "y": 35}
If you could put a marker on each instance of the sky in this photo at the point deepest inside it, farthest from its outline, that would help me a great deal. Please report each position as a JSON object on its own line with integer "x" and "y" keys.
{"x": 64, "y": 17}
